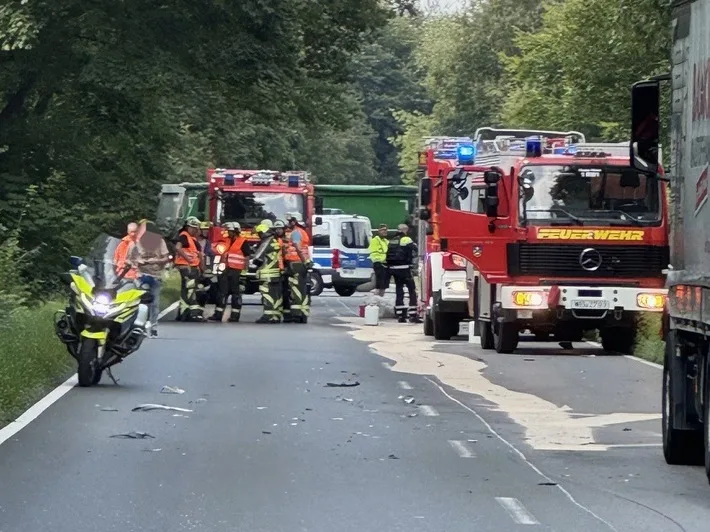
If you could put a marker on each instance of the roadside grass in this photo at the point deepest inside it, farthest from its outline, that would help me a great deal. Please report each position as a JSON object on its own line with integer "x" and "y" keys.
{"x": 32, "y": 360}
{"x": 170, "y": 292}
{"x": 649, "y": 345}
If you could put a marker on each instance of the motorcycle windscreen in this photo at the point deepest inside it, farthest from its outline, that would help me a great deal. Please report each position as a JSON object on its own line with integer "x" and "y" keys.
{"x": 103, "y": 260}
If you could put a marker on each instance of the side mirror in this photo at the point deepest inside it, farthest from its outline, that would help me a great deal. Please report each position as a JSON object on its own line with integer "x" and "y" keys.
{"x": 424, "y": 214}
{"x": 319, "y": 220}
{"x": 629, "y": 179}
{"x": 491, "y": 177}
{"x": 645, "y": 125}
{"x": 491, "y": 203}
{"x": 75, "y": 262}
{"x": 425, "y": 191}
{"x": 463, "y": 193}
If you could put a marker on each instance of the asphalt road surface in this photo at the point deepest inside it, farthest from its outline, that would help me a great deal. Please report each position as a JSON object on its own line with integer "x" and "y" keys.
{"x": 437, "y": 436}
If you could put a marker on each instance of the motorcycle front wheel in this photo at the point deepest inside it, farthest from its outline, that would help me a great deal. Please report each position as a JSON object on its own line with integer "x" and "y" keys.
{"x": 87, "y": 373}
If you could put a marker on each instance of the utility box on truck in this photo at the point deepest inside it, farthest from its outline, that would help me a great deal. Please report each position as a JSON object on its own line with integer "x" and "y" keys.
{"x": 686, "y": 323}
{"x": 382, "y": 204}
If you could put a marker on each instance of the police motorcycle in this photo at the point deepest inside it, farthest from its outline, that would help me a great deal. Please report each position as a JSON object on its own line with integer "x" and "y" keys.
{"x": 105, "y": 320}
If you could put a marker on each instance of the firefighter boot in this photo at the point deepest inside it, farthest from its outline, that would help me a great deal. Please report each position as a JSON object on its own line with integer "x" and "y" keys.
{"x": 414, "y": 315}
{"x": 217, "y": 316}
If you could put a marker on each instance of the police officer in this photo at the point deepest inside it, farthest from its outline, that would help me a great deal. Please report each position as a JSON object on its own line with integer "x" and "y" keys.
{"x": 401, "y": 257}
{"x": 188, "y": 260}
{"x": 235, "y": 258}
{"x": 270, "y": 272}
{"x": 296, "y": 306}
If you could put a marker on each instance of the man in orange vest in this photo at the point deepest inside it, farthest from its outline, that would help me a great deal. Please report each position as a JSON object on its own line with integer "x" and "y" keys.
{"x": 123, "y": 249}
{"x": 297, "y": 263}
{"x": 236, "y": 259}
{"x": 189, "y": 262}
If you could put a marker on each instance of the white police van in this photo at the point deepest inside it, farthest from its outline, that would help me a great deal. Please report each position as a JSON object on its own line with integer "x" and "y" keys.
{"x": 341, "y": 254}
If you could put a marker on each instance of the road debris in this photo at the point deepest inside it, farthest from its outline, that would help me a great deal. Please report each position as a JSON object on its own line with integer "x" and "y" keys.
{"x": 547, "y": 483}
{"x": 393, "y": 457}
{"x": 342, "y": 384}
{"x": 134, "y": 435}
{"x": 265, "y": 432}
{"x": 407, "y": 399}
{"x": 345, "y": 399}
{"x": 152, "y": 450}
{"x": 109, "y": 409}
{"x": 172, "y": 390}
{"x": 149, "y": 407}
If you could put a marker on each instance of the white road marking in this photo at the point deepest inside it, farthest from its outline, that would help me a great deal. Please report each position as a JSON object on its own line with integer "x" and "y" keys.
{"x": 348, "y": 308}
{"x": 634, "y": 445}
{"x": 520, "y": 455}
{"x": 168, "y": 310}
{"x": 517, "y": 511}
{"x": 35, "y": 410}
{"x": 647, "y": 362}
{"x": 630, "y": 357}
{"x": 460, "y": 447}
{"x": 405, "y": 385}
{"x": 428, "y": 410}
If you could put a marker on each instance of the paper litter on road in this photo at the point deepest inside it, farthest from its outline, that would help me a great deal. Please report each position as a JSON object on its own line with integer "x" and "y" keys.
{"x": 172, "y": 390}
{"x": 149, "y": 407}
{"x": 342, "y": 384}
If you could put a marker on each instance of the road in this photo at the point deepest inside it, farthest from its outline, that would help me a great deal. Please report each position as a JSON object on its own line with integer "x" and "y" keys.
{"x": 437, "y": 436}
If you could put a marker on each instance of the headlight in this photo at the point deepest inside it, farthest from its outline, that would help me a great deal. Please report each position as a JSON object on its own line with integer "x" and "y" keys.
{"x": 529, "y": 299}
{"x": 651, "y": 301}
{"x": 101, "y": 304}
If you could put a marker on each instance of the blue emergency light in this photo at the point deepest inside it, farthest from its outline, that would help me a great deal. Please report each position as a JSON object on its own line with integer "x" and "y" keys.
{"x": 293, "y": 181}
{"x": 533, "y": 147}
{"x": 466, "y": 153}
{"x": 229, "y": 179}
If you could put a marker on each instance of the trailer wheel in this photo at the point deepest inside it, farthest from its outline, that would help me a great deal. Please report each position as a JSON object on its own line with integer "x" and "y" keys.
{"x": 680, "y": 447}
{"x": 618, "y": 340}
{"x": 505, "y": 337}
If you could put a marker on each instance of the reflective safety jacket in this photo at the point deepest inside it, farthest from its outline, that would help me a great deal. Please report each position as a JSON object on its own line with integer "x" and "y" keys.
{"x": 273, "y": 264}
{"x": 304, "y": 242}
{"x": 190, "y": 251}
{"x": 235, "y": 255}
{"x": 378, "y": 249}
{"x": 400, "y": 252}
{"x": 121, "y": 255}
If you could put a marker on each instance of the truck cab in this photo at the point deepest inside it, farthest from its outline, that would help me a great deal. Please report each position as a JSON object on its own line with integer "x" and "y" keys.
{"x": 568, "y": 238}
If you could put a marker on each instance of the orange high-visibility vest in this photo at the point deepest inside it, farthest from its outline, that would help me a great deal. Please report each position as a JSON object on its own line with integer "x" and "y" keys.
{"x": 121, "y": 255}
{"x": 235, "y": 256}
{"x": 191, "y": 252}
{"x": 291, "y": 253}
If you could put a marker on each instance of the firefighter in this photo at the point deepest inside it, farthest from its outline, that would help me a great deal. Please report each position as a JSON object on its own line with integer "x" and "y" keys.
{"x": 296, "y": 307}
{"x": 188, "y": 259}
{"x": 204, "y": 282}
{"x": 401, "y": 257}
{"x": 270, "y": 271}
{"x": 236, "y": 258}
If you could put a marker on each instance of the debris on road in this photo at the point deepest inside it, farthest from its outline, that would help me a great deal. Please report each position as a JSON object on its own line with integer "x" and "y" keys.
{"x": 529, "y": 360}
{"x": 393, "y": 457}
{"x": 109, "y": 409}
{"x": 342, "y": 384}
{"x": 407, "y": 399}
{"x": 345, "y": 399}
{"x": 265, "y": 432}
{"x": 149, "y": 407}
{"x": 152, "y": 450}
{"x": 133, "y": 435}
{"x": 261, "y": 408}
{"x": 547, "y": 483}
{"x": 172, "y": 390}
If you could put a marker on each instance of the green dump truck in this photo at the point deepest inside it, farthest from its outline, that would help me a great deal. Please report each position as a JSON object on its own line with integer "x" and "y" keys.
{"x": 382, "y": 204}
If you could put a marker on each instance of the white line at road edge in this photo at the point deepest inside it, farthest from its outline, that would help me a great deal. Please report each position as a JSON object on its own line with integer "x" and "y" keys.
{"x": 35, "y": 410}
{"x": 517, "y": 511}
{"x": 168, "y": 310}
{"x": 523, "y": 458}
{"x": 630, "y": 357}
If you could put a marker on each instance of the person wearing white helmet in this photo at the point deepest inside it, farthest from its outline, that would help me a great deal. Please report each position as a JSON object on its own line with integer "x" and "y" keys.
{"x": 236, "y": 259}
{"x": 188, "y": 260}
{"x": 270, "y": 273}
{"x": 297, "y": 263}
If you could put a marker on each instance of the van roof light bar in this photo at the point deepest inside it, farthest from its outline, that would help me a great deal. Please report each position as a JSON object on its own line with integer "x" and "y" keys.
{"x": 491, "y": 133}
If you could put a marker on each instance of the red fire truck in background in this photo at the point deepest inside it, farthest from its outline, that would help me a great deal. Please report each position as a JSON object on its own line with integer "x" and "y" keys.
{"x": 244, "y": 196}
{"x": 561, "y": 237}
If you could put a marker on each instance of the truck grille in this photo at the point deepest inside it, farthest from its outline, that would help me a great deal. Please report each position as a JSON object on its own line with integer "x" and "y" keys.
{"x": 564, "y": 260}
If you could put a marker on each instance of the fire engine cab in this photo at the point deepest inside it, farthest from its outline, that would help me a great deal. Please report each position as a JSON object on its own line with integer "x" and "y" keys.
{"x": 561, "y": 236}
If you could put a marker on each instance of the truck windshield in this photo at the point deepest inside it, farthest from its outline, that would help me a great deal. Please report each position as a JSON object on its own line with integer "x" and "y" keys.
{"x": 589, "y": 195}
{"x": 249, "y": 208}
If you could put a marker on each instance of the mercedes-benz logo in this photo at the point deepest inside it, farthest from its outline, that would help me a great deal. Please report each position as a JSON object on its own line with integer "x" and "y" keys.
{"x": 590, "y": 259}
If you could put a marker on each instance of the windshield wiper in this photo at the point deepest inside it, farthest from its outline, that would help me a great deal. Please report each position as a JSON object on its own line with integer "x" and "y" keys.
{"x": 575, "y": 219}
{"x": 630, "y": 218}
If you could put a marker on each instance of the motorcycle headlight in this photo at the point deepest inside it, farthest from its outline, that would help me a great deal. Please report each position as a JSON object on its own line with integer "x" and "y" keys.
{"x": 101, "y": 304}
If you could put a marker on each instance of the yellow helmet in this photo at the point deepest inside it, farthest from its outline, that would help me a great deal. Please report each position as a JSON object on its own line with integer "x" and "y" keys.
{"x": 205, "y": 225}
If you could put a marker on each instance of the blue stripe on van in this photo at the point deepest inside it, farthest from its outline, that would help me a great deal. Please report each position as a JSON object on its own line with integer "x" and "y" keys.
{"x": 351, "y": 261}
{"x": 323, "y": 257}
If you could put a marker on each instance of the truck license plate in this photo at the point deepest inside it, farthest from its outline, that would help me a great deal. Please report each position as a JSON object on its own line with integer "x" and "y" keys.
{"x": 590, "y": 304}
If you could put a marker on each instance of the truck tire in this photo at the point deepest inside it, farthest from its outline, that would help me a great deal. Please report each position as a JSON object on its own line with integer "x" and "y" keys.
{"x": 316, "y": 282}
{"x": 344, "y": 291}
{"x": 706, "y": 420}
{"x": 484, "y": 329}
{"x": 680, "y": 447}
{"x": 428, "y": 324}
{"x": 505, "y": 337}
{"x": 445, "y": 325}
{"x": 618, "y": 340}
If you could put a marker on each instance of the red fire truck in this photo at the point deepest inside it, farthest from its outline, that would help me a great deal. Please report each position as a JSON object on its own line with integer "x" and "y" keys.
{"x": 560, "y": 237}
{"x": 244, "y": 196}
